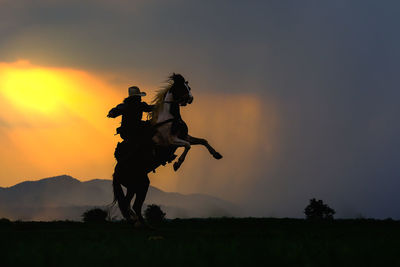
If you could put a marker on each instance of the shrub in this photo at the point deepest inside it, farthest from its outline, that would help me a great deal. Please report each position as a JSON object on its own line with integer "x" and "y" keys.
{"x": 5, "y": 221}
{"x": 154, "y": 214}
{"x": 95, "y": 215}
{"x": 317, "y": 210}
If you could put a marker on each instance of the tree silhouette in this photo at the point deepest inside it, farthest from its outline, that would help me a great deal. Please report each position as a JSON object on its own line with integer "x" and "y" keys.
{"x": 95, "y": 215}
{"x": 317, "y": 210}
{"x": 154, "y": 214}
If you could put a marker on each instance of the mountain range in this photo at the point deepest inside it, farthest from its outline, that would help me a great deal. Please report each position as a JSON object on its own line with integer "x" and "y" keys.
{"x": 66, "y": 198}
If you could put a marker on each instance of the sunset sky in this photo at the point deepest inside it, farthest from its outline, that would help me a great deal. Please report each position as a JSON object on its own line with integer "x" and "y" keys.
{"x": 300, "y": 97}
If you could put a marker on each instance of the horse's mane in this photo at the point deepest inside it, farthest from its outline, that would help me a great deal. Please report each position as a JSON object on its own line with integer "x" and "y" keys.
{"x": 158, "y": 100}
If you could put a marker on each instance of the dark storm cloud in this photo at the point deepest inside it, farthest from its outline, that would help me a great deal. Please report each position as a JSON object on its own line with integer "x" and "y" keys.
{"x": 330, "y": 66}
{"x": 158, "y": 35}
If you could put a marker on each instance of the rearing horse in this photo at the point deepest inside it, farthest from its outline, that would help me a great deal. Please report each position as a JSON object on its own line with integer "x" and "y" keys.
{"x": 171, "y": 132}
{"x": 171, "y": 129}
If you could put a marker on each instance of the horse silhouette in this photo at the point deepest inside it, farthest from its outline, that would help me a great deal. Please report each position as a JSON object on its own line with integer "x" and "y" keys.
{"x": 169, "y": 132}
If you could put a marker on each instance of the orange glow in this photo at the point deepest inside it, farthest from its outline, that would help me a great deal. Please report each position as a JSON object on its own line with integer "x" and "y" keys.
{"x": 34, "y": 89}
{"x": 241, "y": 127}
{"x": 53, "y": 121}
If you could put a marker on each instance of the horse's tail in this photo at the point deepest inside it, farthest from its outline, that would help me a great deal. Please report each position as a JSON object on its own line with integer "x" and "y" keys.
{"x": 119, "y": 196}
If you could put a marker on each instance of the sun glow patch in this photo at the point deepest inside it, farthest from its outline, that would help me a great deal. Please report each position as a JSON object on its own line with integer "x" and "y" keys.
{"x": 53, "y": 93}
{"x": 34, "y": 89}
{"x": 54, "y": 120}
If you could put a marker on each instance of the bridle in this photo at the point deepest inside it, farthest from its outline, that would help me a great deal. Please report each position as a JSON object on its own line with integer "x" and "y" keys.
{"x": 169, "y": 120}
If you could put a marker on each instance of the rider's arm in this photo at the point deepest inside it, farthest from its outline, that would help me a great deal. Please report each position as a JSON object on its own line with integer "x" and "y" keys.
{"x": 147, "y": 107}
{"x": 116, "y": 111}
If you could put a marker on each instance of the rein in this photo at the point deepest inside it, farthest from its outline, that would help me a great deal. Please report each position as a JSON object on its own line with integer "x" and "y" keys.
{"x": 169, "y": 120}
{"x": 163, "y": 122}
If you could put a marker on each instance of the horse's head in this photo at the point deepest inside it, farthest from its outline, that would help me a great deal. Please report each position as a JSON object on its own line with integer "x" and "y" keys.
{"x": 181, "y": 90}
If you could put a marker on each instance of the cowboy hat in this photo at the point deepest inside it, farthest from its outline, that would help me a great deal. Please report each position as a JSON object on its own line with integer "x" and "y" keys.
{"x": 134, "y": 90}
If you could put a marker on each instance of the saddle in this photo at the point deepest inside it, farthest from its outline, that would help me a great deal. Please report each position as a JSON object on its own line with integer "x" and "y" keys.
{"x": 137, "y": 148}
{"x": 148, "y": 156}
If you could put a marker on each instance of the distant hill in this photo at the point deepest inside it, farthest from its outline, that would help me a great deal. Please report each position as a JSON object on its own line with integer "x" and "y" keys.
{"x": 66, "y": 198}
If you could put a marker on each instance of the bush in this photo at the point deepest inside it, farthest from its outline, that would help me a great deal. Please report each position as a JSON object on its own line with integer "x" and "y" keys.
{"x": 317, "y": 210}
{"x": 5, "y": 221}
{"x": 154, "y": 214}
{"x": 95, "y": 215}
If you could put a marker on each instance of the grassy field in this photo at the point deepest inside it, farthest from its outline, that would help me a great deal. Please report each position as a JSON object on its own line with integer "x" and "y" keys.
{"x": 203, "y": 242}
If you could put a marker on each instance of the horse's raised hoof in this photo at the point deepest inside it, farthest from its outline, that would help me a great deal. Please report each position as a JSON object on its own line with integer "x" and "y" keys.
{"x": 217, "y": 155}
{"x": 176, "y": 166}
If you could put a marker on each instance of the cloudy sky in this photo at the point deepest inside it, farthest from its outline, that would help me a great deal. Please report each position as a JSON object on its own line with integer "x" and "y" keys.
{"x": 301, "y": 97}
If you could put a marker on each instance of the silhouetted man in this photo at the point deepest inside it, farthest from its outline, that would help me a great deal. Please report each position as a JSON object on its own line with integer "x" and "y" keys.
{"x": 133, "y": 130}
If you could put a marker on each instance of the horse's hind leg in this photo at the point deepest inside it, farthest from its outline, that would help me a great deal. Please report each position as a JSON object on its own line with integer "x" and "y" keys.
{"x": 119, "y": 195}
{"x": 128, "y": 198}
{"x": 141, "y": 193}
{"x": 200, "y": 141}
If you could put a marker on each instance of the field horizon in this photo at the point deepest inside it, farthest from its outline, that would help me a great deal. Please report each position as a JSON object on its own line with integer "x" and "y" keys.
{"x": 199, "y": 242}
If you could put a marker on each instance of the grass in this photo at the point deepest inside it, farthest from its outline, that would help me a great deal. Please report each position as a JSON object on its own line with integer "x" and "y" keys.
{"x": 203, "y": 242}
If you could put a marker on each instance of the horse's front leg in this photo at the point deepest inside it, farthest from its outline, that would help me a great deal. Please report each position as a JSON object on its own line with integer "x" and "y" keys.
{"x": 200, "y": 141}
{"x": 180, "y": 143}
